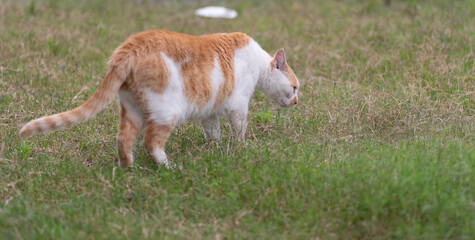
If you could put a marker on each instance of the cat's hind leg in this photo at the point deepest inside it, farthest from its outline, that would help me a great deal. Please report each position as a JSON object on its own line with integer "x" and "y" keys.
{"x": 129, "y": 128}
{"x": 156, "y": 136}
{"x": 211, "y": 128}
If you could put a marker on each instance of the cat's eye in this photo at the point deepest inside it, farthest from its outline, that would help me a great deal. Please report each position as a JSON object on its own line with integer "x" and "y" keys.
{"x": 295, "y": 89}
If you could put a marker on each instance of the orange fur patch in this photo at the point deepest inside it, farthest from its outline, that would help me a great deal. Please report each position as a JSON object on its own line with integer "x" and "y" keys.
{"x": 292, "y": 78}
{"x": 49, "y": 121}
{"x": 64, "y": 119}
{"x": 76, "y": 113}
{"x": 197, "y": 81}
{"x": 152, "y": 73}
{"x": 26, "y": 131}
{"x": 156, "y": 135}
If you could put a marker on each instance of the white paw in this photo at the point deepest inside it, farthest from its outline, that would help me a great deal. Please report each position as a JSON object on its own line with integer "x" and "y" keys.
{"x": 162, "y": 160}
{"x": 171, "y": 166}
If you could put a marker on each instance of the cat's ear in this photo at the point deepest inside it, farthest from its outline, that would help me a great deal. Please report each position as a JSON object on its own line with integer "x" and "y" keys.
{"x": 279, "y": 59}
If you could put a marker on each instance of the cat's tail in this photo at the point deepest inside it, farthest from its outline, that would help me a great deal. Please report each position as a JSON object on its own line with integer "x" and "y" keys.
{"x": 98, "y": 101}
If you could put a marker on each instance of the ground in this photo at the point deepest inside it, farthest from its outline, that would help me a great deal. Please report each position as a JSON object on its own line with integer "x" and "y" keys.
{"x": 381, "y": 144}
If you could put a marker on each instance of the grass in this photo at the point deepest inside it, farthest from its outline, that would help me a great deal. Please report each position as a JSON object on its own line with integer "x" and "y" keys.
{"x": 380, "y": 146}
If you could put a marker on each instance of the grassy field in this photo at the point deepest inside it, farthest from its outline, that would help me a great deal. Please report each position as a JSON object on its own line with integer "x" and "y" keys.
{"x": 380, "y": 146}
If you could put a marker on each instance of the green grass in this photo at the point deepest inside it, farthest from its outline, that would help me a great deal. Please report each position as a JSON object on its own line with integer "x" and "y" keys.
{"x": 380, "y": 146}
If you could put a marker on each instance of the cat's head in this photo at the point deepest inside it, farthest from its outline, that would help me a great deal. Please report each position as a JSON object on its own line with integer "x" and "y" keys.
{"x": 285, "y": 84}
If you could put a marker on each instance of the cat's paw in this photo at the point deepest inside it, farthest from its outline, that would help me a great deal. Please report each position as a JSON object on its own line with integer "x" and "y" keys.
{"x": 172, "y": 166}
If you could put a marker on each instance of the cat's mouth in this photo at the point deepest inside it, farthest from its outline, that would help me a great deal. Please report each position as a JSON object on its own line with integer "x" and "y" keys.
{"x": 284, "y": 104}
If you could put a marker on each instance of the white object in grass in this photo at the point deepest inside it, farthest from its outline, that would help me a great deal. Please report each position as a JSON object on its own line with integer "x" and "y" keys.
{"x": 216, "y": 12}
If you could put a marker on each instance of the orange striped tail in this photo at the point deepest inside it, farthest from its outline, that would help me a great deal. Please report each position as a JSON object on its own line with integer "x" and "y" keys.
{"x": 97, "y": 102}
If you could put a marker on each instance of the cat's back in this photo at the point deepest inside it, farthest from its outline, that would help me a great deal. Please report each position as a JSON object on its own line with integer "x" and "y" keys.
{"x": 181, "y": 46}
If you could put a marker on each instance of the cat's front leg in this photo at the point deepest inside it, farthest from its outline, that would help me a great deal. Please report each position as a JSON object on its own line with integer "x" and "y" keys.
{"x": 211, "y": 128}
{"x": 238, "y": 119}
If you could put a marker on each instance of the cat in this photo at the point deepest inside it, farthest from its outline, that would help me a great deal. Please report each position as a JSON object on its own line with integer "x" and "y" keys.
{"x": 163, "y": 79}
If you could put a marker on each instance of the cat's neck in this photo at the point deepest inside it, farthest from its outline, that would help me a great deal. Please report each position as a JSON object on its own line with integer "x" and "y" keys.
{"x": 262, "y": 60}
{"x": 264, "y": 81}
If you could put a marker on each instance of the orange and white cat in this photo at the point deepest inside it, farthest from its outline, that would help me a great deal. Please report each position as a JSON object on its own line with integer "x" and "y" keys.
{"x": 163, "y": 79}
